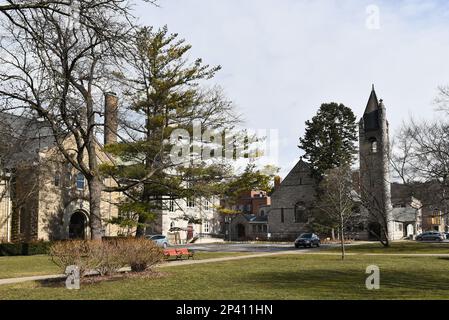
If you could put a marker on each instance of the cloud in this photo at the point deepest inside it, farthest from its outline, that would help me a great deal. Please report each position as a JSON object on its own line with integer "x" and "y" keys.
{"x": 282, "y": 59}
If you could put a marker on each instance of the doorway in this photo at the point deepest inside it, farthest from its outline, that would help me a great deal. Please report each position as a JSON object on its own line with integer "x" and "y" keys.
{"x": 77, "y": 227}
{"x": 241, "y": 234}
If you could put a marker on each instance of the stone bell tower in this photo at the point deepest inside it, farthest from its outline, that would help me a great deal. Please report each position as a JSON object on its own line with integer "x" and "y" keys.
{"x": 374, "y": 167}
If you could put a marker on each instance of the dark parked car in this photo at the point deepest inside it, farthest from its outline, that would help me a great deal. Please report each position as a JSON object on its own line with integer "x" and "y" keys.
{"x": 307, "y": 240}
{"x": 431, "y": 236}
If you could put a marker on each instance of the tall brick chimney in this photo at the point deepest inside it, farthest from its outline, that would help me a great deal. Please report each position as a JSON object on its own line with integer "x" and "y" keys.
{"x": 110, "y": 118}
{"x": 277, "y": 182}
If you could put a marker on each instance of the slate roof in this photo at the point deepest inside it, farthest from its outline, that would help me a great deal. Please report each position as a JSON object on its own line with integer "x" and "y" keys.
{"x": 256, "y": 219}
{"x": 21, "y": 138}
{"x": 404, "y": 214}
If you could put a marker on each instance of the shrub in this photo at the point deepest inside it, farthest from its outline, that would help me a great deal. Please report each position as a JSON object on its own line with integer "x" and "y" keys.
{"x": 79, "y": 253}
{"x": 110, "y": 257}
{"x": 140, "y": 254}
{"x": 24, "y": 249}
{"x": 106, "y": 257}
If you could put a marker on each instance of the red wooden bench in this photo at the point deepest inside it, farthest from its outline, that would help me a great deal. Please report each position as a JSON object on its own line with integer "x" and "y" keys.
{"x": 185, "y": 252}
{"x": 171, "y": 253}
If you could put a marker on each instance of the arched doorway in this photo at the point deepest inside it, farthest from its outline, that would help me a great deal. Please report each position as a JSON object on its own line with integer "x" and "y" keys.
{"x": 77, "y": 226}
{"x": 241, "y": 234}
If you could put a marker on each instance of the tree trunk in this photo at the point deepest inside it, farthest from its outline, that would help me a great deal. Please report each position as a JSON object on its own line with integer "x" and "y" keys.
{"x": 342, "y": 233}
{"x": 140, "y": 232}
{"x": 95, "y": 188}
{"x": 143, "y": 219}
{"x": 333, "y": 234}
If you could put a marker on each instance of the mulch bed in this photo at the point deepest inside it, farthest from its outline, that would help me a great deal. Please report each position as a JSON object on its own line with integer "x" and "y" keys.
{"x": 147, "y": 275}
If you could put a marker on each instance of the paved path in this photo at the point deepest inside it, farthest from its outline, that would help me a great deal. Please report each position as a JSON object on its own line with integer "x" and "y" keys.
{"x": 163, "y": 265}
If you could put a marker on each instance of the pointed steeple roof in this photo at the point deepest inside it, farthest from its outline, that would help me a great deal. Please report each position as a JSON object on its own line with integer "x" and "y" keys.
{"x": 373, "y": 102}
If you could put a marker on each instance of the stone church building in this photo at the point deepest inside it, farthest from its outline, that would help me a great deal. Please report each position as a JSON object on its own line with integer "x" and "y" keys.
{"x": 292, "y": 203}
{"x": 42, "y": 197}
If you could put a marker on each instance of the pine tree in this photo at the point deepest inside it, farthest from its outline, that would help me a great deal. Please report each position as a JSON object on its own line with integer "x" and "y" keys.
{"x": 167, "y": 93}
{"x": 329, "y": 141}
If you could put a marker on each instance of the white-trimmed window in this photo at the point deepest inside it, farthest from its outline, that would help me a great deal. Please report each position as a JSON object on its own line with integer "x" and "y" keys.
{"x": 206, "y": 226}
{"x": 190, "y": 202}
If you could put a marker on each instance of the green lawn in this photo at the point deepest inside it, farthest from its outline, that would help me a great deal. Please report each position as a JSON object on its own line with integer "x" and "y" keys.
{"x": 309, "y": 276}
{"x": 14, "y": 267}
{"x": 11, "y": 267}
{"x": 411, "y": 247}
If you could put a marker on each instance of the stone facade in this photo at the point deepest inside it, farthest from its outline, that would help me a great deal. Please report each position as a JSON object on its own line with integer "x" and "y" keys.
{"x": 293, "y": 201}
{"x": 46, "y": 199}
{"x": 375, "y": 181}
{"x": 291, "y": 204}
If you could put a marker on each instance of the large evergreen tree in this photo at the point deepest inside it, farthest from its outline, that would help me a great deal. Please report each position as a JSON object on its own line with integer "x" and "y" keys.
{"x": 166, "y": 93}
{"x": 329, "y": 141}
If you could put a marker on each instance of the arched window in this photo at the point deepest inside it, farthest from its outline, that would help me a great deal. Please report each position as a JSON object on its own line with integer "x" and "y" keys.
{"x": 262, "y": 213}
{"x": 374, "y": 145}
{"x": 172, "y": 225}
{"x": 300, "y": 213}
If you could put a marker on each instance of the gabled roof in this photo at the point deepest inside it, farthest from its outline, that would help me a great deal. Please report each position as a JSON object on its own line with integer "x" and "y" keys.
{"x": 23, "y": 137}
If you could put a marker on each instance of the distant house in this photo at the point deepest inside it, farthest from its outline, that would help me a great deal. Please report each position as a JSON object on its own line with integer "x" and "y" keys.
{"x": 252, "y": 221}
{"x": 188, "y": 220}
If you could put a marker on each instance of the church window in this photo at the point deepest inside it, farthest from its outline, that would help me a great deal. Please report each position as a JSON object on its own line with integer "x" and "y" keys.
{"x": 171, "y": 205}
{"x": 300, "y": 213}
{"x": 262, "y": 213}
{"x": 374, "y": 145}
{"x": 282, "y": 216}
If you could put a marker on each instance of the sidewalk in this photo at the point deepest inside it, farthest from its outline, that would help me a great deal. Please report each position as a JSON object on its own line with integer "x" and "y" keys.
{"x": 163, "y": 265}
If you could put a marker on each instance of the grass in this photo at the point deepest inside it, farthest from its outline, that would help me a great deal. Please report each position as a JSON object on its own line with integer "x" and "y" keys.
{"x": 279, "y": 277}
{"x": 14, "y": 267}
{"x": 403, "y": 247}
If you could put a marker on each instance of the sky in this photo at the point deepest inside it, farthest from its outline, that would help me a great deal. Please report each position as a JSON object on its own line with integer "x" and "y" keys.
{"x": 281, "y": 59}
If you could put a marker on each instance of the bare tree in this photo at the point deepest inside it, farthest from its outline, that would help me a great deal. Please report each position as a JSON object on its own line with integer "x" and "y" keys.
{"x": 337, "y": 200}
{"x": 58, "y": 67}
{"x": 421, "y": 159}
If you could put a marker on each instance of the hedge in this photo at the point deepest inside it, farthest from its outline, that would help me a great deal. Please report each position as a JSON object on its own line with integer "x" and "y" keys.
{"x": 24, "y": 249}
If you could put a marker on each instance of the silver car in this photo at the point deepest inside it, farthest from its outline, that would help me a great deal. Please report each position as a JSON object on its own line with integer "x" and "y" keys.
{"x": 431, "y": 236}
{"x": 159, "y": 240}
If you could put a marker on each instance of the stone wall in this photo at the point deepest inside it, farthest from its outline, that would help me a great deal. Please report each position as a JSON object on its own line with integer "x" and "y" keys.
{"x": 297, "y": 188}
